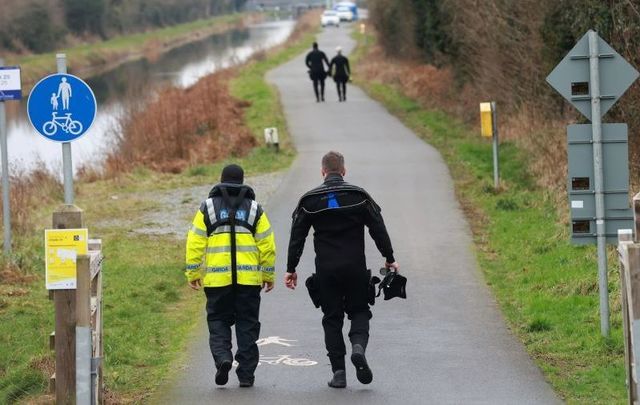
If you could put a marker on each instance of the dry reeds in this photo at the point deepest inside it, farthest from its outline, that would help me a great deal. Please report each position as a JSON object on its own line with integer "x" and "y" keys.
{"x": 182, "y": 127}
{"x": 179, "y": 128}
{"x": 28, "y": 190}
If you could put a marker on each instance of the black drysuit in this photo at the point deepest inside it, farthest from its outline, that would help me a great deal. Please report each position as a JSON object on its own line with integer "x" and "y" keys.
{"x": 315, "y": 61}
{"x": 339, "y": 68}
{"x": 338, "y": 213}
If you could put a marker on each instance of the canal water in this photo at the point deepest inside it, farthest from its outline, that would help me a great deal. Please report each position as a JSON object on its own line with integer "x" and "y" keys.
{"x": 134, "y": 82}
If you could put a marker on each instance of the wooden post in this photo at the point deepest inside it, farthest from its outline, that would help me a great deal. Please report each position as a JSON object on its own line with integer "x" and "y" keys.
{"x": 633, "y": 291}
{"x": 66, "y": 217}
{"x": 95, "y": 252}
{"x": 99, "y": 328}
{"x": 83, "y": 291}
{"x": 83, "y": 330}
{"x": 625, "y": 238}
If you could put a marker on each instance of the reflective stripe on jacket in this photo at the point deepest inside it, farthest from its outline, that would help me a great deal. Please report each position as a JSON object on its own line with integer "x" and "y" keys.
{"x": 208, "y": 255}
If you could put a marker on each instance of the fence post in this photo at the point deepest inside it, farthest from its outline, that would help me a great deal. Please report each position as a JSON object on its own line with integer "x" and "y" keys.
{"x": 625, "y": 238}
{"x": 633, "y": 282}
{"x": 66, "y": 217}
{"x": 95, "y": 245}
{"x": 83, "y": 331}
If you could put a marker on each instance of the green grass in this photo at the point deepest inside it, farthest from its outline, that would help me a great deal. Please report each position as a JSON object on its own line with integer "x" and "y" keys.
{"x": 148, "y": 310}
{"x": 546, "y": 287}
{"x": 103, "y": 53}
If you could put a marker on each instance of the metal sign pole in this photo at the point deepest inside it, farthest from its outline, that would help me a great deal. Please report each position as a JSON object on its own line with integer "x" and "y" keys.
{"x": 6, "y": 209}
{"x": 67, "y": 164}
{"x": 496, "y": 168}
{"x": 596, "y": 125}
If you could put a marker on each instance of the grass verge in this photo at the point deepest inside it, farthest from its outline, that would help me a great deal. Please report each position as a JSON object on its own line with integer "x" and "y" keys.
{"x": 149, "y": 312}
{"x": 546, "y": 287}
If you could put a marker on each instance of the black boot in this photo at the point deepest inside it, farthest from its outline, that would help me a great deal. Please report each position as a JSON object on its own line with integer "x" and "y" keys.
{"x": 246, "y": 383}
{"x": 222, "y": 375}
{"x": 339, "y": 379}
{"x": 363, "y": 372}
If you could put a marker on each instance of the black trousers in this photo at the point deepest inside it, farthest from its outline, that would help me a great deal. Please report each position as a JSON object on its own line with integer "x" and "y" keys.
{"x": 318, "y": 88}
{"x": 343, "y": 292}
{"x": 342, "y": 89}
{"x": 226, "y": 306}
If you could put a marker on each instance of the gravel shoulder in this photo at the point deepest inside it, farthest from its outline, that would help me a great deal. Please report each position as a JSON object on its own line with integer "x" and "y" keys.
{"x": 174, "y": 209}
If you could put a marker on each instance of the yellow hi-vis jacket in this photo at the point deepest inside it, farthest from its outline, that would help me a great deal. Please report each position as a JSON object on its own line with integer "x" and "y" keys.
{"x": 209, "y": 242}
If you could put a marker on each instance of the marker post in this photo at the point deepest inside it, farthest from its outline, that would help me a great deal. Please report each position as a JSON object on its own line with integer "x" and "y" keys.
{"x": 6, "y": 208}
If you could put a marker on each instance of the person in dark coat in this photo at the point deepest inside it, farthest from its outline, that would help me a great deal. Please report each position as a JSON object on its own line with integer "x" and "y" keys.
{"x": 315, "y": 61}
{"x": 338, "y": 213}
{"x": 340, "y": 70}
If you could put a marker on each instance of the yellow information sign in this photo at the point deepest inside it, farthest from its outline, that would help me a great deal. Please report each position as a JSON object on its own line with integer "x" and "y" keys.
{"x": 62, "y": 247}
{"x": 486, "y": 118}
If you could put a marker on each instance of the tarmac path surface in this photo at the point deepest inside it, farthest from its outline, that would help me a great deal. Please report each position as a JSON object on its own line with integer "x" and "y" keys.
{"x": 446, "y": 344}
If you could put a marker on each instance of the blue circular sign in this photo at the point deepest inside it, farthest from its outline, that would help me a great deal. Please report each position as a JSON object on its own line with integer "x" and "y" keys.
{"x": 61, "y": 107}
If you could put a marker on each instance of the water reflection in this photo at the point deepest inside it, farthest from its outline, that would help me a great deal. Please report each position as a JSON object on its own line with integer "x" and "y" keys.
{"x": 134, "y": 81}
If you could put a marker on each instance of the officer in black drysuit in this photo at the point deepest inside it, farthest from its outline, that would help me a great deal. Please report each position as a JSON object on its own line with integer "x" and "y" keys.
{"x": 340, "y": 70}
{"x": 315, "y": 61}
{"x": 338, "y": 213}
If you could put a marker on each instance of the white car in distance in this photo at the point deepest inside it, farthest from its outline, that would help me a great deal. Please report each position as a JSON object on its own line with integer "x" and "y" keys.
{"x": 330, "y": 17}
{"x": 345, "y": 14}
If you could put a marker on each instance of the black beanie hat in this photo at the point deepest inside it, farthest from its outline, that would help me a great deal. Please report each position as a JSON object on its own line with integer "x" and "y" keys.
{"x": 232, "y": 174}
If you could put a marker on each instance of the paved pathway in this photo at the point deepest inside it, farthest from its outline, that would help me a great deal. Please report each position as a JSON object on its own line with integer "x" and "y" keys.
{"x": 446, "y": 344}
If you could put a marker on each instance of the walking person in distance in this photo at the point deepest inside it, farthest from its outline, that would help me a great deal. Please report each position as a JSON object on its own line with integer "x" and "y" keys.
{"x": 340, "y": 70}
{"x": 338, "y": 213}
{"x": 316, "y": 61}
{"x": 231, "y": 252}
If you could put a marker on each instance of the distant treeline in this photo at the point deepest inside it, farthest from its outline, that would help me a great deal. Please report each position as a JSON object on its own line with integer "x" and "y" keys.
{"x": 41, "y": 25}
{"x": 503, "y": 49}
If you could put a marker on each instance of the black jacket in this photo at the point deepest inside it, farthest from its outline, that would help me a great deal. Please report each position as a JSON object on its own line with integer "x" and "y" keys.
{"x": 338, "y": 212}
{"x": 339, "y": 67}
{"x": 315, "y": 62}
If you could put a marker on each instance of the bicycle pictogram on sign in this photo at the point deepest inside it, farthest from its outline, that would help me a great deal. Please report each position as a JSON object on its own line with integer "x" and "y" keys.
{"x": 64, "y": 123}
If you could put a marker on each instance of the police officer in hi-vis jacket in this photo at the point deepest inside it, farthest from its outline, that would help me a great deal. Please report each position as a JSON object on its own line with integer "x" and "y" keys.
{"x": 231, "y": 252}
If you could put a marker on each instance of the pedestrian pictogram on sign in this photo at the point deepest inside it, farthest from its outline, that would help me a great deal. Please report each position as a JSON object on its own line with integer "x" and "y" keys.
{"x": 61, "y": 107}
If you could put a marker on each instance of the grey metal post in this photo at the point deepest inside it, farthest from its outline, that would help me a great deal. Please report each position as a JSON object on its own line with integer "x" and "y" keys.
{"x": 6, "y": 208}
{"x": 596, "y": 125}
{"x": 496, "y": 160}
{"x": 83, "y": 366}
{"x": 67, "y": 164}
